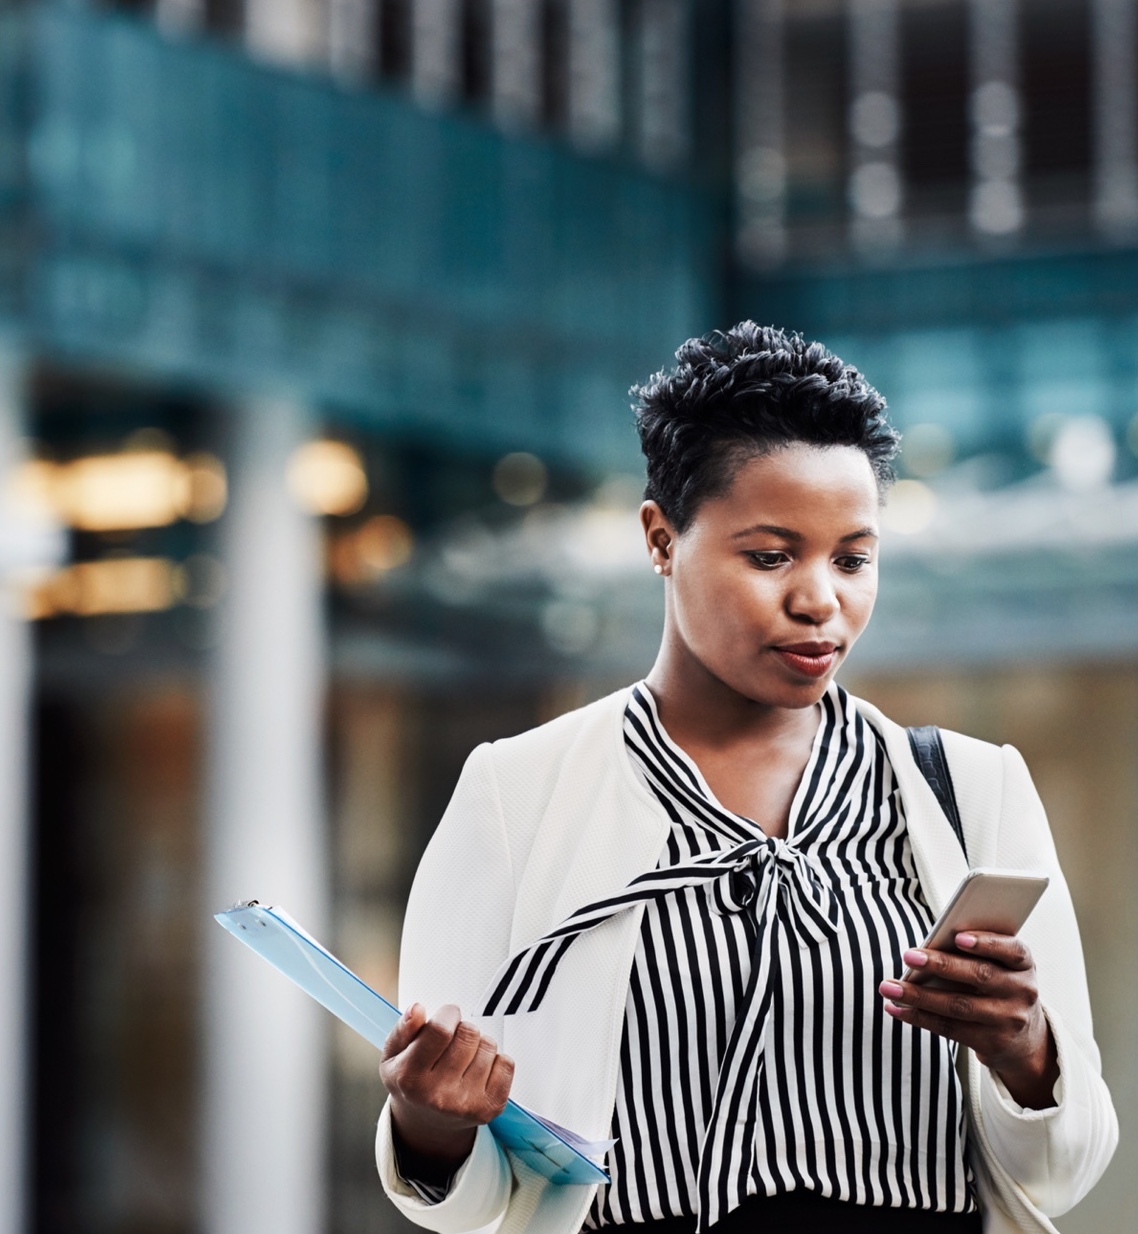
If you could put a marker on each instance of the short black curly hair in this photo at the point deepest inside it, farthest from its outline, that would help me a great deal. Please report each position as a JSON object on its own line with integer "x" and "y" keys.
{"x": 743, "y": 392}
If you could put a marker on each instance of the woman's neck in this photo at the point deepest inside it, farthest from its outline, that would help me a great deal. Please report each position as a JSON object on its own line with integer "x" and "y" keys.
{"x": 699, "y": 711}
{"x": 751, "y": 755}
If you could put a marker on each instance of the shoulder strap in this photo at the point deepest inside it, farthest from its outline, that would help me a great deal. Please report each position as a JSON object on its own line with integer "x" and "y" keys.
{"x": 928, "y": 752}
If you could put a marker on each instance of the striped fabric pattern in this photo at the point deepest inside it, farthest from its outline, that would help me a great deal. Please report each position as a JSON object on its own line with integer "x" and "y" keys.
{"x": 733, "y": 882}
{"x": 756, "y": 1057}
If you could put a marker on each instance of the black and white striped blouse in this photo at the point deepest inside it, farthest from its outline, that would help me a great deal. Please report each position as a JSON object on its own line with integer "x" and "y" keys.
{"x": 757, "y": 1058}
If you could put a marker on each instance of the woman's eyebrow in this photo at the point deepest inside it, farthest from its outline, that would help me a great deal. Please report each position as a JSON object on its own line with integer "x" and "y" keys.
{"x": 785, "y": 533}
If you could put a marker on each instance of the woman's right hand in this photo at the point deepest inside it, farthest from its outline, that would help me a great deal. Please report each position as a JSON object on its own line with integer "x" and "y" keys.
{"x": 445, "y": 1079}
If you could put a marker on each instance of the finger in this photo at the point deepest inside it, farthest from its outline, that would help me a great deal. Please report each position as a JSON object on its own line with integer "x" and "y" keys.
{"x": 959, "y": 971}
{"x": 500, "y": 1081}
{"x": 957, "y": 1005}
{"x": 954, "y": 1030}
{"x": 475, "y": 1079}
{"x": 405, "y": 1031}
{"x": 460, "y": 1051}
{"x": 485, "y": 1097}
{"x": 479, "y": 1066}
{"x": 966, "y": 1032}
{"x": 1008, "y": 950}
{"x": 448, "y": 1017}
{"x": 435, "y": 1036}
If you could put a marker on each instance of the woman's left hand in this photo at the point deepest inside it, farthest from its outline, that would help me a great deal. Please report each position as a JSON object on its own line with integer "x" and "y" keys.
{"x": 990, "y": 1003}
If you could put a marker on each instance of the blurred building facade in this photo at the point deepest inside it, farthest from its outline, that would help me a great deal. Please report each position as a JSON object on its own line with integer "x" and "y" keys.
{"x": 317, "y": 319}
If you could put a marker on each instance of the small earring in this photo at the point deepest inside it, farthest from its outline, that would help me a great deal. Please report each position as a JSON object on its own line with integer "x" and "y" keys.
{"x": 658, "y": 568}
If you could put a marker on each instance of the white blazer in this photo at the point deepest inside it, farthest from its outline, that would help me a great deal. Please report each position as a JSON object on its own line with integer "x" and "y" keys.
{"x": 555, "y": 818}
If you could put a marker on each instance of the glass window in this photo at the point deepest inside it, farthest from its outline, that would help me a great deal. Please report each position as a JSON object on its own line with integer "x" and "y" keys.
{"x": 1056, "y": 89}
{"x": 934, "y": 103}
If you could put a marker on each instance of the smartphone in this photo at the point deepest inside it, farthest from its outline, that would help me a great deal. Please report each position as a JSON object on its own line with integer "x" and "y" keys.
{"x": 987, "y": 899}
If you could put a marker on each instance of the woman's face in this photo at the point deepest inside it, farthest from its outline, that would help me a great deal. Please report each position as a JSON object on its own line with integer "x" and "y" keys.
{"x": 772, "y": 583}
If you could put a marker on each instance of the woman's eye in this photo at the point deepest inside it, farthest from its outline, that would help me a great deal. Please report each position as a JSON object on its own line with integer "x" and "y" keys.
{"x": 767, "y": 561}
{"x": 851, "y": 564}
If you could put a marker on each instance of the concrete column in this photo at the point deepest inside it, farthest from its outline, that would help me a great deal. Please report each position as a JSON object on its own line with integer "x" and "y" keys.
{"x": 664, "y": 51}
{"x": 15, "y": 698}
{"x": 435, "y": 51}
{"x": 265, "y": 1042}
{"x": 516, "y": 63}
{"x": 352, "y": 37}
{"x": 876, "y": 190}
{"x": 760, "y": 160}
{"x": 594, "y": 74}
{"x": 179, "y": 16}
{"x": 995, "y": 204}
{"x": 286, "y": 31}
{"x": 1114, "y": 70}
{"x": 29, "y": 540}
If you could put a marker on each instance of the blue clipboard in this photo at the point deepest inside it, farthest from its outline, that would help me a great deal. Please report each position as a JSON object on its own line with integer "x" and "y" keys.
{"x": 290, "y": 949}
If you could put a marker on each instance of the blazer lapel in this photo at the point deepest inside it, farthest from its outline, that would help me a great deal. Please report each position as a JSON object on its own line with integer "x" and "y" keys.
{"x": 598, "y": 833}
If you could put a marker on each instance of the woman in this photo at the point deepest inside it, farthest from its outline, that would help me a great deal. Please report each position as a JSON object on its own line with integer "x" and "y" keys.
{"x": 737, "y": 859}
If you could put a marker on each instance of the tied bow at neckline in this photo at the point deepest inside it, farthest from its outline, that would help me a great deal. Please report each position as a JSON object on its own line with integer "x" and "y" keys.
{"x": 764, "y": 872}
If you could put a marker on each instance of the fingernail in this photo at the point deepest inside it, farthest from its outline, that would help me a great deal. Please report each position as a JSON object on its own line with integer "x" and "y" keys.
{"x": 966, "y": 940}
{"x": 916, "y": 959}
{"x": 410, "y": 1012}
{"x": 890, "y": 989}
{"x": 893, "y": 1009}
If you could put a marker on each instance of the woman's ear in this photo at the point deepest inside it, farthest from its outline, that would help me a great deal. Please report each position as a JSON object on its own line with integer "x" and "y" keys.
{"x": 658, "y": 536}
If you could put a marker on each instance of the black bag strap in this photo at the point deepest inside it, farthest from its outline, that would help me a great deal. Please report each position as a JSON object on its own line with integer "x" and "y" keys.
{"x": 928, "y": 751}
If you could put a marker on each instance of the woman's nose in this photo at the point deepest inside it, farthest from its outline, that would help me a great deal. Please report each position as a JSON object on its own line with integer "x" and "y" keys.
{"x": 813, "y": 597}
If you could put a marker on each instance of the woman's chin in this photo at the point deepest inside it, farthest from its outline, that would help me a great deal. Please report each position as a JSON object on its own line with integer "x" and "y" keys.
{"x": 784, "y": 691}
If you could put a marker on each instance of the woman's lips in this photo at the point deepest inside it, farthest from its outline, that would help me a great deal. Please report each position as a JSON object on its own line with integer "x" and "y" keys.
{"x": 809, "y": 661}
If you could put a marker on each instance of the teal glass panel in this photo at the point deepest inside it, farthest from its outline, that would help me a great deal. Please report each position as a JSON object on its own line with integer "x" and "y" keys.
{"x": 205, "y": 218}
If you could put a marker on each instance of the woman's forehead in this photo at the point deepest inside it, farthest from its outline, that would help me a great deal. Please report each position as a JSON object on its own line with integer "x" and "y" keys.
{"x": 816, "y": 482}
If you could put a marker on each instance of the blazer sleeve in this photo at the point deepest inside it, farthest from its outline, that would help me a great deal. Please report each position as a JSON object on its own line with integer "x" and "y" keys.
{"x": 1055, "y": 1155}
{"x": 455, "y": 935}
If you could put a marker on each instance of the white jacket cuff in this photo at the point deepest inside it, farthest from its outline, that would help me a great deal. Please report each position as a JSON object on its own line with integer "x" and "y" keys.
{"x": 478, "y": 1193}
{"x": 1055, "y": 1155}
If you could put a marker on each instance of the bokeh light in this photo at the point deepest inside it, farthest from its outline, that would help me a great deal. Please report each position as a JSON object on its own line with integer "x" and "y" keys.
{"x": 1082, "y": 453}
{"x": 927, "y": 449}
{"x": 910, "y": 507}
{"x": 115, "y": 585}
{"x": 328, "y": 477}
{"x": 520, "y": 479}
{"x": 368, "y": 552}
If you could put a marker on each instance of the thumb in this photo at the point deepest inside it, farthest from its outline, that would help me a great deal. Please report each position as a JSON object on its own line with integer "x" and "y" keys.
{"x": 405, "y": 1031}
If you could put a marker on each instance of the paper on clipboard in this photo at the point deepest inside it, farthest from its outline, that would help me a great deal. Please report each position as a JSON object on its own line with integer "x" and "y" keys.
{"x": 557, "y": 1154}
